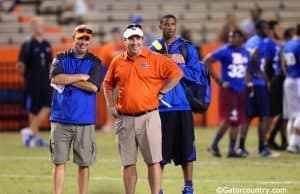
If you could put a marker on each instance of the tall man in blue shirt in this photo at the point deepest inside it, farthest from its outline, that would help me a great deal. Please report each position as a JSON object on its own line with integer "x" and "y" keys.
{"x": 76, "y": 76}
{"x": 176, "y": 115}
{"x": 258, "y": 103}
{"x": 234, "y": 60}
{"x": 275, "y": 78}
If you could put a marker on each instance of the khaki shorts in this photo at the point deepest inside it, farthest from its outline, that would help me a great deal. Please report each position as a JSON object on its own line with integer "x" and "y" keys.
{"x": 143, "y": 132}
{"x": 82, "y": 137}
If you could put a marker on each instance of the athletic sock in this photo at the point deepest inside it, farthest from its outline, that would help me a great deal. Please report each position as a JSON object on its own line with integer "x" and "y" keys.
{"x": 242, "y": 143}
{"x": 188, "y": 183}
{"x": 232, "y": 145}
{"x": 294, "y": 139}
{"x": 218, "y": 137}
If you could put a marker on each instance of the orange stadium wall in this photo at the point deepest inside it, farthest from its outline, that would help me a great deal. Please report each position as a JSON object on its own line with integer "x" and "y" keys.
{"x": 9, "y": 57}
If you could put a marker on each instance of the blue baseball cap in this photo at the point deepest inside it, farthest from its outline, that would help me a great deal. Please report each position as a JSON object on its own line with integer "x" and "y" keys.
{"x": 137, "y": 19}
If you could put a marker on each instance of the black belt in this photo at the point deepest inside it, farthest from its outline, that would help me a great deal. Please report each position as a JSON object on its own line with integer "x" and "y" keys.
{"x": 137, "y": 114}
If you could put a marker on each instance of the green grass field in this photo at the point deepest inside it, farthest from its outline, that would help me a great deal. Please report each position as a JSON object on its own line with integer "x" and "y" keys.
{"x": 25, "y": 171}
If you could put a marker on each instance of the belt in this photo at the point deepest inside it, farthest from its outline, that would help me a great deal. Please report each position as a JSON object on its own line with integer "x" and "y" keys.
{"x": 137, "y": 114}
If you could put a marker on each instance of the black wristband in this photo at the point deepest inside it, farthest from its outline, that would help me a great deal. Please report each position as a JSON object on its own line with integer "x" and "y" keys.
{"x": 219, "y": 81}
{"x": 161, "y": 93}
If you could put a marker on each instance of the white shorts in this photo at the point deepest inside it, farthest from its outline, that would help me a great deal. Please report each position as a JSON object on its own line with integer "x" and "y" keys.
{"x": 291, "y": 98}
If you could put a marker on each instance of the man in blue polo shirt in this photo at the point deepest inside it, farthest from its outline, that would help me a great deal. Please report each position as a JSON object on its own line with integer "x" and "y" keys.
{"x": 76, "y": 77}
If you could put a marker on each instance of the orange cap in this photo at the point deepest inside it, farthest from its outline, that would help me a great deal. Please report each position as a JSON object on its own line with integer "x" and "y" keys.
{"x": 82, "y": 30}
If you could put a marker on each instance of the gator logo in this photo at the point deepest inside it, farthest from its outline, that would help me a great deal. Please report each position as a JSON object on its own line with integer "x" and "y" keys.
{"x": 144, "y": 65}
{"x": 177, "y": 58}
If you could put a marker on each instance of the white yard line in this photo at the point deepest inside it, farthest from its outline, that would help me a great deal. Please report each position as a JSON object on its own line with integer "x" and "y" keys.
{"x": 203, "y": 163}
{"x": 174, "y": 180}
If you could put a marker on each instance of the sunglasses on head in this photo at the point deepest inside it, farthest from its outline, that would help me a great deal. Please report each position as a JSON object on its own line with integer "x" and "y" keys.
{"x": 81, "y": 30}
{"x": 133, "y": 26}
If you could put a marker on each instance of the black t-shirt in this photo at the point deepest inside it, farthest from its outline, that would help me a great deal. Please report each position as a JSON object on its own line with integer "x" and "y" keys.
{"x": 36, "y": 56}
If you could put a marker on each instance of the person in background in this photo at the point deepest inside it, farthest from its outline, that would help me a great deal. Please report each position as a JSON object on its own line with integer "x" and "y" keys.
{"x": 107, "y": 52}
{"x": 76, "y": 77}
{"x": 288, "y": 34}
{"x": 258, "y": 102}
{"x": 235, "y": 60}
{"x": 248, "y": 25}
{"x": 143, "y": 77}
{"x": 82, "y": 7}
{"x": 176, "y": 114}
{"x": 275, "y": 78}
{"x": 291, "y": 98}
{"x": 34, "y": 62}
{"x": 148, "y": 37}
{"x": 229, "y": 26}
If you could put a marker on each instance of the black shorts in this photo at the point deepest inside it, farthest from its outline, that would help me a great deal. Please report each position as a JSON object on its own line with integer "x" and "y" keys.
{"x": 178, "y": 138}
{"x": 276, "y": 94}
{"x": 34, "y": 101}
{"x": 258, "y": 101}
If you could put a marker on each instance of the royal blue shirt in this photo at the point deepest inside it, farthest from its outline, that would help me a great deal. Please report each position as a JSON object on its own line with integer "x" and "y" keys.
{"x": 270, "y": 54}
{"x": 291, "y": 51}
{"x": 176, "y": 96}
{"x": 256, "y": 44}
{"x": 234, "y": 63}
{"x": 74, "y": 105}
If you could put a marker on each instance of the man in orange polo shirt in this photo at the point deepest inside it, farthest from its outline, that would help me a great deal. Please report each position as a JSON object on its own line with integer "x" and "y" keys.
{"x": 143, "y": 78}
{"x": 107, "y": 52}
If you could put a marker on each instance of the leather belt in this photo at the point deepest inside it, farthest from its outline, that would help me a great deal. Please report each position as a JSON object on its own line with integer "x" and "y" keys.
{"x": 137, "y": 114}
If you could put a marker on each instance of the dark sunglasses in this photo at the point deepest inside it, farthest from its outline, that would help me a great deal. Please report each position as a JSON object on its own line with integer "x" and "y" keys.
{"x": 82, "y": 30}
{"x": 133, "y": 26}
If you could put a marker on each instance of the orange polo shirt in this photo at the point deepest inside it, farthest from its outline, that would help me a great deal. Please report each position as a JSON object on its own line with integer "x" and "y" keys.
{"x": 140, "y": 79}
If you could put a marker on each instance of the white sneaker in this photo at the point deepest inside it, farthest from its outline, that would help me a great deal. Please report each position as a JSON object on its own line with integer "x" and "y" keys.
{"x": 26, "y": 135}
{"x": 293, "y": 149}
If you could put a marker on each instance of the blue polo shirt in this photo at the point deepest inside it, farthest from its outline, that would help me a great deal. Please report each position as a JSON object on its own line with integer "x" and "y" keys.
{"x": 74, "y": 105}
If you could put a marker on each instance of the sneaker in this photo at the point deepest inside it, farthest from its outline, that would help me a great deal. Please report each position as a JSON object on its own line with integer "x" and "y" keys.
{"x": 235, "y": 154}
{"x": 293, "y": 149}
{"x": 187, "y": 190}
{"x": 27, "y": 137}
{"x": 29, "y": 141}
{"x": 40, "y": 143}
{"x": 214, "y": 151}
{"x": 267, "y": 153}
{"x": 243, "y": 152}
{"x": 161, "y": 191}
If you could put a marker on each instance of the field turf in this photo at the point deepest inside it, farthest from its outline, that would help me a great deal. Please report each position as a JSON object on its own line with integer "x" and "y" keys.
{"x": 28, "y": 170}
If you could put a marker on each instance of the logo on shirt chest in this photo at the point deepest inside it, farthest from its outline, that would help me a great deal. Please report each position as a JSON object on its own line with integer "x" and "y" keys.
{"x": 144, "y": 65}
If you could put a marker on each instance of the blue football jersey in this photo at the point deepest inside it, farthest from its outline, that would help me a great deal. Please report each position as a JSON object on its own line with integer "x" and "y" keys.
{"x": 256, "y": 43}
{"x": 234, "y": 63}
{"x": 291, "y": 53}
{"x": 270, "y": 52}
